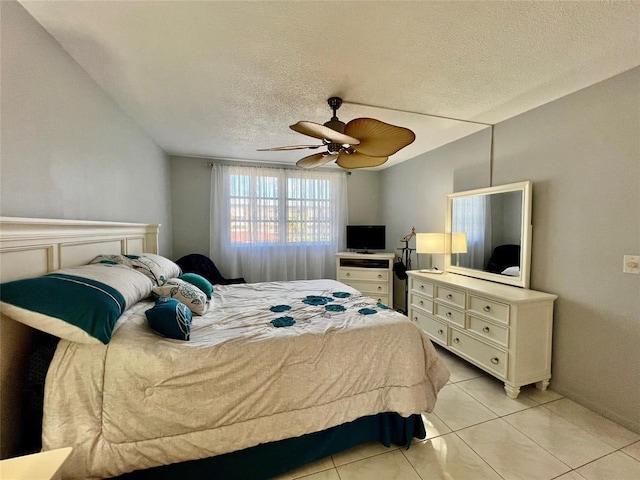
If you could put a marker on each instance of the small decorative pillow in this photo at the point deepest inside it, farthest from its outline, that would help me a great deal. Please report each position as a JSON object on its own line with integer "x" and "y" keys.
{"x": 170, "y": 318}
{"x": 199, "y": 281}
{"x": 189, "y": 294}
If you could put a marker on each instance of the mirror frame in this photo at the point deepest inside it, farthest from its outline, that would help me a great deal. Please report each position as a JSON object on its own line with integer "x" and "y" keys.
{"x": 525, "y": 235}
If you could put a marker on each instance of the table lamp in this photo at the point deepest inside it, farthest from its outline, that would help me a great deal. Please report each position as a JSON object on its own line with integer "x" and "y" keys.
{"x": 458, "y": 244}
{"x": 430, "y": 243}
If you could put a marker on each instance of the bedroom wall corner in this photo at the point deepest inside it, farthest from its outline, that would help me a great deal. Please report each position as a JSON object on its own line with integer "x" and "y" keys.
{"x": 582, "y": 154}
{"x": 68, "y": 150}
{"x": 190, "y": 203}
{"x": 414, "y": 193}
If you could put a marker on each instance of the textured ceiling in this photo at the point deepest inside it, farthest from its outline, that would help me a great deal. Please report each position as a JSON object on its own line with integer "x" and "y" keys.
{"x": 222, "y": 79}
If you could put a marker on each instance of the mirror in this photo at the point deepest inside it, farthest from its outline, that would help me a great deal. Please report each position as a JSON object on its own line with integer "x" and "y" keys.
{"x": 489, "y": 233}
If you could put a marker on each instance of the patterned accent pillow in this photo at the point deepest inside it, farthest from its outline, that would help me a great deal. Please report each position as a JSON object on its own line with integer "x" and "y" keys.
{"x": 158, "y": 268}
{"x": 170, "y": 318}
{"x": 189, "y": 294}
{"x": 199, "y": 281}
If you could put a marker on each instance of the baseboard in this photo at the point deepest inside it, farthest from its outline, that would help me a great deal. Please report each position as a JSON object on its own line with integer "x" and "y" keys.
{"x": 631, "y": 424}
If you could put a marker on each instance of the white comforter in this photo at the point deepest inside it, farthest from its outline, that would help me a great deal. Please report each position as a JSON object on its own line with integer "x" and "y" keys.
{"x": 143, "y": 401}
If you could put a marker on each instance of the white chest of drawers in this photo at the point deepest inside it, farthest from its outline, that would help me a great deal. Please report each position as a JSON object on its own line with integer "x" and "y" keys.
{"x": 504, "y": 330}
{"x": 369, "y": 273}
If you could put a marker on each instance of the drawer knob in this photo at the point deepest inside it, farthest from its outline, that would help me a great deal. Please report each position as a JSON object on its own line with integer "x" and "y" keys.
{"x": 415, "y": 319}
{"x": 456, "y": 340}
{"x": 486, "y": 329}
{"x": 379, "y": 287}
{"x": 421, "y": 287}
{"x": 348, "y": 274}
{"x": 421, "y": 302}
{"x": 487, "y": 308}
{"x": 495, "y": 360}
{"x": 448, "y": 314}
{"x": 379, "y": 275}
{"x": 440, "y": 332}
{"x": 449, "y": 296}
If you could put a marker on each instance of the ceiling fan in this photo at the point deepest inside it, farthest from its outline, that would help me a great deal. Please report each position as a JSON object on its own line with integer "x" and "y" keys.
{"x": 360, "y": 143}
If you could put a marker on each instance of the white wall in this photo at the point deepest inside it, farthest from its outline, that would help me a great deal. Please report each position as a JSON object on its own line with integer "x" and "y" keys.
{"x": 67, "y": 150}
{"x": 582, "y": 153}
{"x": 365, "y": 190}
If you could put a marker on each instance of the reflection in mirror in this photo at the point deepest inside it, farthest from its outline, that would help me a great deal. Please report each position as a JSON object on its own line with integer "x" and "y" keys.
{"x": 495, "y": 224}
{"x": 492, "y": 227}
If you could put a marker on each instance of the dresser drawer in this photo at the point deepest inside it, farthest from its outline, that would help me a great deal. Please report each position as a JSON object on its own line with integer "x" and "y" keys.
{"x": 488, "y": 308}
{"x": 432, "y": 327}
{"x": 445, "y": 312}
{"x": 422, "y": 286}
{"x": 370, "y": 289}
{"x": 488, "y": 330}
{"x": 420, "y": 301}
{"x": 489, "y": 357}
{"x": 347, "y": 274}
{"x": 450, "y": 296}
{"x": 384, "y": 299}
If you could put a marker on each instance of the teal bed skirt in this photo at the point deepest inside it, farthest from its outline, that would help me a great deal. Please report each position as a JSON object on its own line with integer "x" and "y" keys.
{"x": 271, "y": 459}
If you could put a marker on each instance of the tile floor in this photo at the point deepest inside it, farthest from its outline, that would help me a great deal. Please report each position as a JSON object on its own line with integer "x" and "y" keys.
{"x": 476, "y": 432}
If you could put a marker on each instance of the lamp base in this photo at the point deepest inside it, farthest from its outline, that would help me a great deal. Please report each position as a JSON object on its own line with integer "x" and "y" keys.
{"x": 431, "y": 270}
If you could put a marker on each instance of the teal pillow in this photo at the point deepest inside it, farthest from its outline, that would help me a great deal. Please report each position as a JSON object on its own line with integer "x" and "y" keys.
{"x": 80, "y": 304}
{"x": 199, "y": 281}
{"x": 170, "y": 318}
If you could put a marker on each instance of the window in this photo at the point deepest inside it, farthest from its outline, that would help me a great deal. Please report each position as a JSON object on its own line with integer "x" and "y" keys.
{"x": 267, "y": 216}
{"x": 268, "y": 210}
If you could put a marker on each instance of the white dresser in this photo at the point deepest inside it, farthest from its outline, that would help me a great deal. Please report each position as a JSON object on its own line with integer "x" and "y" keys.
{"x": 504, "y": 330}
{"x": 369, "y": 273}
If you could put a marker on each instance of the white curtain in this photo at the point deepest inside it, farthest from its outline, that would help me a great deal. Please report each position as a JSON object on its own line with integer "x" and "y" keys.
{"x": 272, "y": 224}
{"x": 472, "y": 215}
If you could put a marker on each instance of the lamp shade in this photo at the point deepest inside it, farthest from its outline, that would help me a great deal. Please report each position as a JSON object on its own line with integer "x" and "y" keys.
{"x": 430, "y": 242}
{"x": 459, "y": 243}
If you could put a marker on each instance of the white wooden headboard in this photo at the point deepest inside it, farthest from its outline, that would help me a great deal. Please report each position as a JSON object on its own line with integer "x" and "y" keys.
{"x": 30, "y": 247}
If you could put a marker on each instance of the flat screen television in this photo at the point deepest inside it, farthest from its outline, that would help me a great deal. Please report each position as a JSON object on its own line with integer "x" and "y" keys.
{"x": 363, "y": 238}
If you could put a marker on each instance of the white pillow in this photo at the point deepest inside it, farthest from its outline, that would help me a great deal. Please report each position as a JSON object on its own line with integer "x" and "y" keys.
{"x": 512, "y": 271}
{"x": 187, "y": 293}
{"x": 158, "y": 268}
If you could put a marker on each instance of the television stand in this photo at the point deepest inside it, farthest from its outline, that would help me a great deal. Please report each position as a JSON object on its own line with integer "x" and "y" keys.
{"x": 368, "y": 272}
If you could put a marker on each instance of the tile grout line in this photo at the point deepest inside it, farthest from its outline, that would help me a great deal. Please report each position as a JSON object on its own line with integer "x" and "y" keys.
{"x": 478, "y": 454}
{"x": 555, "y": 456}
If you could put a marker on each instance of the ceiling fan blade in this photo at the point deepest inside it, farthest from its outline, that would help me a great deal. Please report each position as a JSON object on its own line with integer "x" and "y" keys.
{"x": 315, "y": 160}
{"x": 288, "y": 147}
{"x": 377, "y": 138}
{"x": 316, "y": 130}
{"x": 359, "y": 160}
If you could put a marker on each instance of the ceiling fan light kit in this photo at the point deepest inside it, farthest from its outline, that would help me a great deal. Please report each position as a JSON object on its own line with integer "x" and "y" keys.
{"x": 360, "y": 143}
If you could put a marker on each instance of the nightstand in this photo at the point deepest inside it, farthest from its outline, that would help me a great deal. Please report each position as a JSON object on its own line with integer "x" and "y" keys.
{"x": 38, "y": 466}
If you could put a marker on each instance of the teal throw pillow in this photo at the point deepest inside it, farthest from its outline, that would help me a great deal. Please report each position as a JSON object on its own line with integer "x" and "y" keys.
{"x": 170, "y": 318}
{"x": 199, "y": 281}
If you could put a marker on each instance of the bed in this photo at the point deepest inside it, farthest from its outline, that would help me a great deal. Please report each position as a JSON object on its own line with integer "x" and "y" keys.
{"x": 276, "y": 373}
